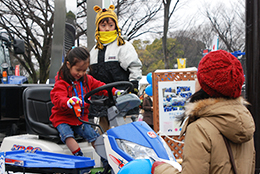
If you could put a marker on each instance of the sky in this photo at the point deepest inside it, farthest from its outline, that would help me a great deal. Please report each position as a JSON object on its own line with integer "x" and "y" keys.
{"x": 188, "y": 10}
{"x": 191, "y": 6}
{"x": 71, "y": 5}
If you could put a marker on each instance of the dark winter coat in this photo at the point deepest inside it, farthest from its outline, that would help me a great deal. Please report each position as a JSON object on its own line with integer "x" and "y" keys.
{"x": 115, "y": 63}
{"x": 148, "y": 112}
{"x": 112, "y": 64}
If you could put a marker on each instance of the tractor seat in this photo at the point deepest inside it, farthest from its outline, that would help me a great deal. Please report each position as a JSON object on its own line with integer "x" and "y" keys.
{"x": 37, "y": 110}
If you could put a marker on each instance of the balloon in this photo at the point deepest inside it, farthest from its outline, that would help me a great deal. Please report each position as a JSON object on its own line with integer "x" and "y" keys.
{"x": 149, "y": 78}
{"x": 149, "y": 90}
{"x": 143, "y": 166}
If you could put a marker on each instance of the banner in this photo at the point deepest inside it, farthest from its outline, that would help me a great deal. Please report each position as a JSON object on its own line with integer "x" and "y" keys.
{"x": 214, "y": 44}
{"x": 181, "y": 63}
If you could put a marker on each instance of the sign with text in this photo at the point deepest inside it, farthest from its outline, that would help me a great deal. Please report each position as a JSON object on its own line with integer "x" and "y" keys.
{"x": 172, "y": 96}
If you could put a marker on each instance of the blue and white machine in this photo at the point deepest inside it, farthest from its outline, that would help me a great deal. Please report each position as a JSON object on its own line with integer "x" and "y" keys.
{"x": 132, "y": 141}
{"x": 125, "y": 142}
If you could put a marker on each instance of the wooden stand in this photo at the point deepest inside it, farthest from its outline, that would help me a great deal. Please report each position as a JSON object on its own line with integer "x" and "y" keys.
{"x": 180, "y": 75}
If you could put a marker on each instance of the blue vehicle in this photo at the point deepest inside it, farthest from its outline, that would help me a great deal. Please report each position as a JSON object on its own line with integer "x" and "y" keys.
{"x": 127, "y": 141}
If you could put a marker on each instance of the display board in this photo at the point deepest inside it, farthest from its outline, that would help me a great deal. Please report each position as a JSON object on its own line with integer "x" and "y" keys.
{"x": 171, "y": 99}
{"x": 170, "y": 90}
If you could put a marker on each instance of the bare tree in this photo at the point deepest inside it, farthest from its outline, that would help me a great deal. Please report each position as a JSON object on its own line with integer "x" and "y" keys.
{"x": 136, "y": 15}
{"x": 81, "y": 18}
{"x": 228, "y": 23}
{"x": 31, "y": 21}
{"x": 191, "y": 46}
{"x": 167, "y": 16}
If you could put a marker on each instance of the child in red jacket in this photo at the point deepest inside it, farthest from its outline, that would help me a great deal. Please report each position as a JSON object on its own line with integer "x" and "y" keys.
{"x": 71, "y": 85}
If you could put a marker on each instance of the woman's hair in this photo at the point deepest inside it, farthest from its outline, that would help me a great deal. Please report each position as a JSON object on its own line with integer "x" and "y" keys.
{"x": 199, "y": 95}
{"x": 73, "y": 56}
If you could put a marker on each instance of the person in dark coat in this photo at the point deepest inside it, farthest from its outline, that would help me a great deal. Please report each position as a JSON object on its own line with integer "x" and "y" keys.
{"x": 148, "y": 110}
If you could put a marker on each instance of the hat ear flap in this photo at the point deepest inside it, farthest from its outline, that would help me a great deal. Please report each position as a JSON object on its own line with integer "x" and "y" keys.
{"x": 97, "y": 8}
{"x": 112, "y": 7}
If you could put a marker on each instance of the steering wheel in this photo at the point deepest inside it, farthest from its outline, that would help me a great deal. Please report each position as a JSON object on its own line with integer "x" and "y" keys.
{"x": 107, "y": 101}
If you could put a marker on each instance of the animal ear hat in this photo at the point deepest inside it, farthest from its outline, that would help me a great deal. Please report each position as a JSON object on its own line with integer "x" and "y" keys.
{"x": 106, "y": 13}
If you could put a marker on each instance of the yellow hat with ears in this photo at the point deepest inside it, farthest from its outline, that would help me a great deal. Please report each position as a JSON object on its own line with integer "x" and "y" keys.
{"x": 106, "y": 13}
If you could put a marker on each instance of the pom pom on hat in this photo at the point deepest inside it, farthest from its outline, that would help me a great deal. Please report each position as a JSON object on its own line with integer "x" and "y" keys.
{"x": 220, "y": 74}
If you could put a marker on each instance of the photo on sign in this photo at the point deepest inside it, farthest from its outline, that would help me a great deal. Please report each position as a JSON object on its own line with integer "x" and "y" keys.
{"x": 172, "y": 98}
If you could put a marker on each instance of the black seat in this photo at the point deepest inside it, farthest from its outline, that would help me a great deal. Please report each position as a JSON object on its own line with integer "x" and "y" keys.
{"x": 37, "y": 110}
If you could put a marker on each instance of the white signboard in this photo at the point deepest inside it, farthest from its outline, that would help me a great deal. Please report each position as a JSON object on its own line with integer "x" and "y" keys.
{"x": 172, "y": 96}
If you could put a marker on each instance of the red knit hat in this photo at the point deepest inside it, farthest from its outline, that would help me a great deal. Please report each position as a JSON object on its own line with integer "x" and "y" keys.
{"x": 221, "y": 74}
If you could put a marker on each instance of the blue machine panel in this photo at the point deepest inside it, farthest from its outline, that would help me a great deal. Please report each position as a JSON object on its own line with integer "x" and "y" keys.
{"x": 41, "y": 159}
{"x": 139, "y": 133}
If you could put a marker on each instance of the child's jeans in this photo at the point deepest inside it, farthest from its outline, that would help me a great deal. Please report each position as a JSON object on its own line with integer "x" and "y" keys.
{"x": 84, "y": 130}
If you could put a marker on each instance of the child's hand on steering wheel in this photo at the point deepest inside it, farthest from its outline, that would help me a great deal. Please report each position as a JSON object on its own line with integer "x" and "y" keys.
{"x": 118, "y": 92}
{"x": 72, "y": 101}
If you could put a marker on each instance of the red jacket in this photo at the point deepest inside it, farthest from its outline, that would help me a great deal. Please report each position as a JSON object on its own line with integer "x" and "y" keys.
{"x": 61, "y": 93}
